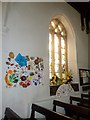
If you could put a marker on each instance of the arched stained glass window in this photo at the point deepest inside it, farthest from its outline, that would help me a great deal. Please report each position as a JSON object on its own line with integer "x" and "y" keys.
{"x": 57, "y": 51}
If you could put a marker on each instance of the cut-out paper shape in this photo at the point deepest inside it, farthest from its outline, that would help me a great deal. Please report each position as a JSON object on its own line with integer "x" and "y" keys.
{"x": 8, "y": 63}
{"x": 13, "y": 78}
{"x": 23, "y": 84}
{"x": 11, "y": 55}
{"x": 36, "y": 82}
{"x": 10, "y": 71}
{"x": 27, "y": 57}
{"x": 27, "y": 82}
{"x": 21, "y": 60}
{"x": 8, "y": 83}
{"x": 31, "y": 77}
{"x": 9, "y": 59}
{"x": 23, "y": 78}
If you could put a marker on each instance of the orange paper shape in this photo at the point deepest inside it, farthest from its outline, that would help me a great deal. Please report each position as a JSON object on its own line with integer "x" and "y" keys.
{"x": 10, "y": 71}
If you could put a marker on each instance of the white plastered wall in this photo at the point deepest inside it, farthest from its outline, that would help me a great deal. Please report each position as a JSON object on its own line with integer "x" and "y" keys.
{"x": 0, "y": 60}
{"x": 26, "y": 31}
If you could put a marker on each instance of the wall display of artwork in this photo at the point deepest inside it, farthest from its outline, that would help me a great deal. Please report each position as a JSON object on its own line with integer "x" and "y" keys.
{"x": 84, "y": 75}
{"x": 23, "y": 71}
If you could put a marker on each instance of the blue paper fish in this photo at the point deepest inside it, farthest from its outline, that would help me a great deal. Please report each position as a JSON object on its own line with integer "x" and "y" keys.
{"x": 21, "y": 60}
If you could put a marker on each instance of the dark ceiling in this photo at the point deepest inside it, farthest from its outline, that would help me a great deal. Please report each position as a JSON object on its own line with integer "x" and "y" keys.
{"x": 84, "y": 9}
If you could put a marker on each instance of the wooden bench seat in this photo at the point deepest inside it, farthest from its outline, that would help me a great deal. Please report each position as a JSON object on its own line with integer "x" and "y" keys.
{"x": 81, "y": 101}
{"x": 85, "y": 95}
{"x": 11, "y": 115}
{"x": 73, "y": 110}
{"x": 70, "y": 110}
{"x": 49, "y": 115}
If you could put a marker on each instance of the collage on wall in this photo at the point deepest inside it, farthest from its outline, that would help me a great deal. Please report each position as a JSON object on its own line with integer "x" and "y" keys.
{"x": 23, "y": 71}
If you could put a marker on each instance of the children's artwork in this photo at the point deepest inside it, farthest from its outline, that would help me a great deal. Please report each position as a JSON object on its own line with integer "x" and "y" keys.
{"x": 23, "y": 70}
{"x": 21, "y": 60}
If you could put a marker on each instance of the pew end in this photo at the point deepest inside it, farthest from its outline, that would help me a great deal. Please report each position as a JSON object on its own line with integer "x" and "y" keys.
{"x": 11, "y": 115}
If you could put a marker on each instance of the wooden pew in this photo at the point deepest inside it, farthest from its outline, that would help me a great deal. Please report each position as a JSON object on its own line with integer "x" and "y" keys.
{"x": 85, "y": 95}
{"x": 49, "y": 115}
{"x": 81, "y": 101}
{"x": 72, "y": 98}
{"x": 11, "y": 115}
{"x": 73, "y": 110}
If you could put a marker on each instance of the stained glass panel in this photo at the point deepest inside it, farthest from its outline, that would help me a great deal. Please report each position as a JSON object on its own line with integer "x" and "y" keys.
{"x": 57, "y": 50}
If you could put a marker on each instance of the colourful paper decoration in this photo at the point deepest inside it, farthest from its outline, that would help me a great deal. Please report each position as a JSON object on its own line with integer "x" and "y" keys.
{"x": 23, "y": 71}
{"x": 21, "y": 60}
